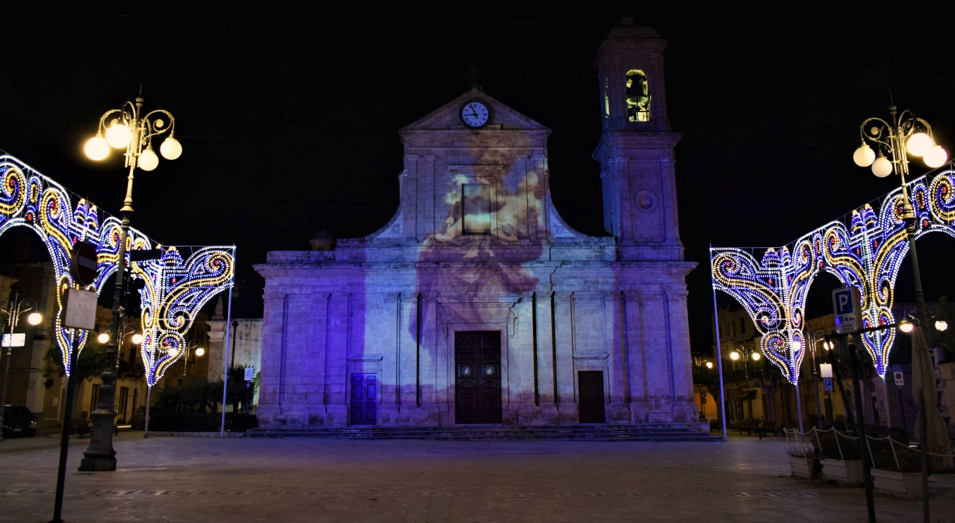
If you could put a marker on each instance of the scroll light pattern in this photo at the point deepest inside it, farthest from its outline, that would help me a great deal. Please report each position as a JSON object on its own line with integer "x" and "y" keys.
{"x": 30, "y": 199}
{"x": 180, "y": 289}
{"x": 866, "y": 255}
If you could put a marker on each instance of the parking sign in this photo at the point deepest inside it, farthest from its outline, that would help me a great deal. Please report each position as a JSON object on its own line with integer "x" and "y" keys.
{"x": 847, "y": 309}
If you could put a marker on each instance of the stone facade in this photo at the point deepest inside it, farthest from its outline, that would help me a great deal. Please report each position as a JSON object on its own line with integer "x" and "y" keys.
{"x": 477, "y": 303}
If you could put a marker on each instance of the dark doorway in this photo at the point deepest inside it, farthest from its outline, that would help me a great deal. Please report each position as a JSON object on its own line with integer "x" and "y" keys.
{"x": 364, "y": 399}
{"x": 477, "y": 359}
{"x": 590, "y": 383}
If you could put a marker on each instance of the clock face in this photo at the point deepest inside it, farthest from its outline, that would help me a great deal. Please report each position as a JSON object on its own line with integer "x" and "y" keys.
{"x": 475, "y": 114}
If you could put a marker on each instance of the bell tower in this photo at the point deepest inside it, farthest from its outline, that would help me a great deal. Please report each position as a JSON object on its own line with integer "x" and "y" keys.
{"x": 636, "y": 147}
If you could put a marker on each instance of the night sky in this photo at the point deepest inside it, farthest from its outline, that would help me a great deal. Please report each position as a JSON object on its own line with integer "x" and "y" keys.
{"x": 289, "y": 119}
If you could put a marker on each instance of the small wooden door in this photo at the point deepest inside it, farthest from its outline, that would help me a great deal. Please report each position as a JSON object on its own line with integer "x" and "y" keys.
{"x": 364, "y": 399}
{"x": 477, "y": 359}
{"x": 590, "y": 385}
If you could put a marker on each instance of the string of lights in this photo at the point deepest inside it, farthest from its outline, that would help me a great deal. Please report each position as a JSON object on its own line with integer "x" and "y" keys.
{"x": 867, "y": 255}
{"x": 175, "y": 290}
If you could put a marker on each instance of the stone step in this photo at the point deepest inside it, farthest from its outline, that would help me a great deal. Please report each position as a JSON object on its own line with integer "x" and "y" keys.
{"x": 642, "y": 432}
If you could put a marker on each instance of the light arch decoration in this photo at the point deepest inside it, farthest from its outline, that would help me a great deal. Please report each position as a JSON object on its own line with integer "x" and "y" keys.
{"x": 30, "y": 199}
{"x": 865, "y": 252}
{"x": 174, "y": 291}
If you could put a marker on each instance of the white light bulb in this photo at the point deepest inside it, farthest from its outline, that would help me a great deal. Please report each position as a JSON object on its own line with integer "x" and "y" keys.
{"x": 935, "y": 157}
{"x": 137, "y": 338}
{"x": 148, "y": 159}
{"x": 118, "y": 135}
{"x": 734, "y": 355}
{"x": 96, "y": 148}
{"x": 941, "y": 325}
{"x": 170, "y": 148}
{"x": 918, "y": 144}
{"x": 103, "y": 337}
{"x": 864, "y": 156}
{"x": 756, "y": 356}
{"x": 200, "y": 351}
{"x": 882, "y": 167}
{"x": 34, "y": 318}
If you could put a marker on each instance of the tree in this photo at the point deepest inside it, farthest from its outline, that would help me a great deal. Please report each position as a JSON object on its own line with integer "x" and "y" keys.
{"x": 89, "y": 364}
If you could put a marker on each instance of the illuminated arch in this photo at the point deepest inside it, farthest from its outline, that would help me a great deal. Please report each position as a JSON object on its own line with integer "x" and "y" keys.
{"x": 866, "y": 254}
{"x": 30, "y": 199}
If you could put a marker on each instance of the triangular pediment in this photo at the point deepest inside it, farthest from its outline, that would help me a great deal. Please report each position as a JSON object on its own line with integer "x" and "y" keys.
{"x": 447, "y": 117}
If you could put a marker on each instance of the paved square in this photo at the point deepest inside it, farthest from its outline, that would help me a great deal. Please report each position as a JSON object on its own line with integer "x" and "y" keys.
{"x": 313, "y": 480}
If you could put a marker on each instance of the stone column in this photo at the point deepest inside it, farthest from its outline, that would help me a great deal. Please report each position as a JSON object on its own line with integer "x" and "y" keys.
{"x": 684, "y": 407}
{"x": 546, "y": 376}
{"x": 271, "y": 409}
{"x": 565, "y": 343}
{"x": 335, "y": 363}
{"x": 634, "y": 335}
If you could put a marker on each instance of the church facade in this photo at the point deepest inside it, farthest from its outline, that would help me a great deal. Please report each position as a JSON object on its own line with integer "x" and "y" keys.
{"x": 477, "y": 303}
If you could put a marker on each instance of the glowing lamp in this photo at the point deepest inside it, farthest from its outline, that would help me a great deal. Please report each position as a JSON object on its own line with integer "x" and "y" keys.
{"x": 935, "y": 157}
{"x": 34, "y": 318}
{"x": 881, "y": 167}
{"x": 199, "y": 352}
{"x": 148, "y": 159}
{"x": 709, "y": 364}
{"x": 137, "y": 338}
{"x": 918, "y": 144}
{"x": 941, "y": 325}
{"x": 96, "y": 148}
{"x": 864, "y": 156}
{"x": 756, "y": 356}
{"x": 118, "y": 135}
{"x": 103, "y": 337}
{"x": 170, "y": 148}
{"x": 734, "y": 355}
{"x": 797, "y": 345}
{"x": 906, "y": 326}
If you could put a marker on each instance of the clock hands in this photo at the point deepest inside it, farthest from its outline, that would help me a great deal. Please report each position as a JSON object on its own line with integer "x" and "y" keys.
{"x": 474, "y": 114}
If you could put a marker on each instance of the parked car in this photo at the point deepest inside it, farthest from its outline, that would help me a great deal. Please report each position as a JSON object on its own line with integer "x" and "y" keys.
{"x": 18, "y": 421}
{"x": 138, "y": 419}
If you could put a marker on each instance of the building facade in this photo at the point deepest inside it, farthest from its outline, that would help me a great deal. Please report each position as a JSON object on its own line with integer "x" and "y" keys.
{"x": 477, "y": 303}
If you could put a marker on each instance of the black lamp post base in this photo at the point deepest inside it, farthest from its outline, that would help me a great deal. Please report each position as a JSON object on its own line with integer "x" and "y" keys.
{"x": 98, "y": 462}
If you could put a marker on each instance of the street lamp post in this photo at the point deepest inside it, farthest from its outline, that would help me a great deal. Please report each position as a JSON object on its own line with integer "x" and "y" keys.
{"x": 700, "y": 362}
{"x": 742, "y": 352}
{"x": 193, "y": 348}
{"x": 128, "y": 129}
{"x": 817, "y": 336}
{"x": 14, "y": 309}
{"x": 903, "y": 136}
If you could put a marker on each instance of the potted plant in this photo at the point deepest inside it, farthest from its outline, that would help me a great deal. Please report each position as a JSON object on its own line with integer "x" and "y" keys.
{"x": 840, "y": 457}
{"x": 803, "y": 462}
{"x": 897, "y": 470}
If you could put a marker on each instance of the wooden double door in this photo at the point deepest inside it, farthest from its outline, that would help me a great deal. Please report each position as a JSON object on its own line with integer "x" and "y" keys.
{"x": 477, "y": 361}
{"x": 364, "y": 399}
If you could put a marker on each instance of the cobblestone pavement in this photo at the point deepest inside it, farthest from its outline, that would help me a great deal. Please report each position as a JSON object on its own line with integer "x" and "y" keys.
{"x": 207, "y": 479}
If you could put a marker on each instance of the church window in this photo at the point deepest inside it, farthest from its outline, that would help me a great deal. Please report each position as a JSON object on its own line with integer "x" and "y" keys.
{"x": 476, "y": 199}
{"x": 606, "y": 98}
{"x": 638, "y": 96}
